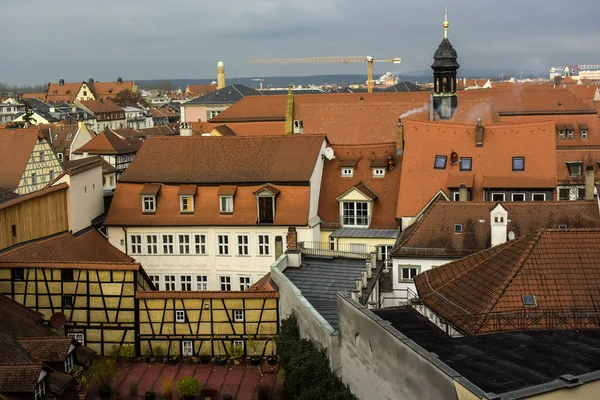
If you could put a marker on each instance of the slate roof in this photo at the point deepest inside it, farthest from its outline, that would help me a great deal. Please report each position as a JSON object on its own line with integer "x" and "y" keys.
{"x": 227, "y": 95}
{"x": 433, "y": 235}
{"x": 221, "y": 160}
{"x": 6, "y": 195}
{"x": 16, "y": 146}
{"x": 503, "y": 362}
{"x": 87, "y": 249}
{"x": 482, "y": 293}
{"x": 403, "y": 86}
{"x": 108, "y": 142}
{"x": 445, "y": 56}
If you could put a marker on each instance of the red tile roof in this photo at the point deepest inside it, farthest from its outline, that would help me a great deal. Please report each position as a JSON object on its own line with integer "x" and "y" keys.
{"x": 433, "y": 235}
{"x": 67, "y": 92}
{"x": 585, "y": 156}
{"x": 162, "y": 113}
{"x": 88, "y": 249}
{"x": 262, "y": 285}
{"x": 221, "y": 160}
{"x": 109, "y": 90}
{"x": 423, "y": 141}
{"x": 255, "y": 109}
{"x": 58, "y": 136}
{"x": 200, "y": 127}
{"x": 333, "y": 184}
{"x": 536, "y": 102}
{"x": 101, "y": 106}
{"x": 483, "y": 293}
{"x": 39, "y": 96}
{"x": 291, "y": 204}
{"x": 16, "y": 146}
{"x": 108, "y": 142}
{"x": 21, "y": 378}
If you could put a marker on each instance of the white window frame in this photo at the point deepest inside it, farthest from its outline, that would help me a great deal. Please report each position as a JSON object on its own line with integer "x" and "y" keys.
{"x": 69, "y": 362}
{"x": 80, "y": 337}
{"x": 498, "y": 194}
{"x": 243, "y": 245}
{"x": 401, "y": 269}
{"x": 168, "y": 246}
{"x": 355, "y": 214}
{"x": 179, "y": 315}
{"x": 458, "y": 228}
{"x": 40, "y": 389}
{"x": 187, "y": 348}
{"x": 378, "y": 172}
{"x": 538, "y": 194}
{"x": 238, "y": 343}
{"x": 223, "y": 244}
{"x": 347, "y": 172}
{"x": 264, "y": 247}
{"x": 455, "y": 196}
{"x": 189, "y": 200}
{"x": 184, "y": 240}
{"x": 200, "y": 243}
{"x": 584, "y": 134}
{"x": 225, "y": 282}
{"x": 155, "y": 279}
{"x": 512, "y": 196}
{"x": 148, "y": 204}
{"x": 185, "y": 282}
{"x": 227, "y": 207}
{"x": 170, "y": 282}
{"x": 238, "y": 316}
{"x": 135, "y": 244}
{"x": 152, "y": 244}
{"x": 202, "y": 283}
{"x": 245, "y": 282}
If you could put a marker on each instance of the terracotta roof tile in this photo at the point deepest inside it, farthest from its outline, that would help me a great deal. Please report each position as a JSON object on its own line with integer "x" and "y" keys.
{"x": 108, "y": 142}
{"x": 455, "y": 181}
{"x": 201, "y": 89}
{"x": 16, "y": 146}
{"x": 187, "y": 190}
{"x": 587, "y": 157}
{"x": 292, "y": 207}
{"x": 218, "y": 160}
{"x": 423, "y": 141}
{"x": 150, "y": 189}
{"x": 19, "y": 378}
{"x": 109, "y": 90}
{"x": 46, "y": 349}
{"x": 101, "y": 106}
{"x": 227, "y": 190}
{"x": 433, "y": 235}
{"x": 202, "y": 127}
{"x": 333, "y": 184}
{"x": 74, "y": 167}
{"x": 207, "y": 295}
{"x": 262, "y": 285}
{"x": 254, "y": 108}
{"x": 531, "y": 102}
{"x": 67, "y": 92}
{"x": 496, "y": 182}
{"x": 224, "y": 130}
{"x": 60, "y": 136}
{"x": 483, "y": 293}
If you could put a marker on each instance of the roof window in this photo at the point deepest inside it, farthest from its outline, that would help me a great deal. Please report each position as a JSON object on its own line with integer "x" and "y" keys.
{"x": 378, "y": 172}
{"x": 518, "y": 164}
{"x": 529, "y": 300}
{"x": 458, "y": 228}
{"x": 347, "y": 172}
{"x": 562, "y": 226}
{"x": 466, "y": 163}
{"x": 440, "y": 162}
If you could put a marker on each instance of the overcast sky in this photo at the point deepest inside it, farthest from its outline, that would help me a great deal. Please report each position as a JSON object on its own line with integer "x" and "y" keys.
{"x": 41, "y": 40}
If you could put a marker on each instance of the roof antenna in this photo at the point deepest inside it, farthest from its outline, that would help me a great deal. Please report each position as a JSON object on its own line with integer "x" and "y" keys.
{"x": 446, "y": 23}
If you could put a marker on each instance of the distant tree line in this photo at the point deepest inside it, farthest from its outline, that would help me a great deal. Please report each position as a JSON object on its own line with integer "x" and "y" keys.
{"x": 6, "y": 89}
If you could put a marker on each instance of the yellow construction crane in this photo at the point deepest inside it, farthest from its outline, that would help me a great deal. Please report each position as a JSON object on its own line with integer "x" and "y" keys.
{"x": 343, "y": 60}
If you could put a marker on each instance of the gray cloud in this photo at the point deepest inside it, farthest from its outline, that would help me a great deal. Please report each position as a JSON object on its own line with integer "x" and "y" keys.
{"x": 42, "y": 41}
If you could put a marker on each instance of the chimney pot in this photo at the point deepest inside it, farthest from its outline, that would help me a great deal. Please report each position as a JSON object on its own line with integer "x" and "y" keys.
{"x": 463, "y": 194}
{"x": 399, "y": 137}
{"x": 589, "y": 182}
{"x": 479, "y": 132}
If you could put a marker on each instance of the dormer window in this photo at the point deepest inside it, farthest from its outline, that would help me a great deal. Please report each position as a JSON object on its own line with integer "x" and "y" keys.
{"x": 440, "y": 162}
{"x": 265, "y": 200}
{"x": 378, "y": 172}
{"x": 298, "y": 126}
{"x": 583, "y": 128}
{"x": 466, "y": 163}
{"x": 570, "y": 132}
{"x": 186, "y": 198}
{"x": 518, "y": 164}
{"x": 458, "y": 228}
{"x": 149, "y": 193}
{"x": 347, "y": 172}
{"x": 356, "y": 206}
{"x": 562, "y": 131}
{"x": 226, "y": 194}
{"x": 69, "y": 136}
{"x": 575, "y": 168}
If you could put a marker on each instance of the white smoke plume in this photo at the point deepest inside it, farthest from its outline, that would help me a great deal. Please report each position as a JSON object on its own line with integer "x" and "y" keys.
{"x": 416, "y": 110}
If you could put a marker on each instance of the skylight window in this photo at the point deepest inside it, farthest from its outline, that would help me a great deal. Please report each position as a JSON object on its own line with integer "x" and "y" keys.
{"x": 440, "y": 162}
{"x": 518, "y": 164}
{"x": 465, "y": 163}
{"x": 458, "y": 228}
{"x": 529, "y": 300}
{"x": 562, "y": 227}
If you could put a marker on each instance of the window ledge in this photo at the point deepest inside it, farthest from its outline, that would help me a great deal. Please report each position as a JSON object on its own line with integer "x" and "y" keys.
{"x": 243, "y": 255}
{"x": 148, "y": 212}
{"x": 223, "y": 255}
{"x": 226, "y": 213}
{"x": 263, "y": 255}
{"x": 186, "y": 212}
{"x": 407, "y": 281}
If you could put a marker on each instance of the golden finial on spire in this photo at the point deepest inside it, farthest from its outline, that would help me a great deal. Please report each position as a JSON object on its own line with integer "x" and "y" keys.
{"x": 446, "y": 23}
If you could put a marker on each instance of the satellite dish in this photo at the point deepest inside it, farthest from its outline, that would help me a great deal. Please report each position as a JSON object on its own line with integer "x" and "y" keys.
{"x": 511, "y": 235}
{"x": 329, "y": 153}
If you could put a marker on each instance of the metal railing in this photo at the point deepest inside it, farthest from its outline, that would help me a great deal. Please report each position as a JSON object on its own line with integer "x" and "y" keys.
{"x": 344, "y": 250}
{"x": 398, "y": 297}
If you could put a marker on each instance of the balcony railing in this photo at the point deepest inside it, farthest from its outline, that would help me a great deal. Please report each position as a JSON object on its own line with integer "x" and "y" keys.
{"x": 344, "y": 250}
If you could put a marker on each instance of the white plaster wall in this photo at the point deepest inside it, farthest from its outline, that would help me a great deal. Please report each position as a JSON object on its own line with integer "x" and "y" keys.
{"x": 425, "y": 264}
{"x": 211, "y": 264}
{"x": 315, "y": 183}
{"x": 82, "y": 136}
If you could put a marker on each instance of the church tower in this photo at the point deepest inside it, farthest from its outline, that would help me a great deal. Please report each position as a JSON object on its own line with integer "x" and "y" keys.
{"x": 220, "y": 75}
{"x": 444, "y": 67}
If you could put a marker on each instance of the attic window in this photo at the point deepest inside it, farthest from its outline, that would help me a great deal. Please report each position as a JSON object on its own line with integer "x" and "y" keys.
{"x": 465, "y": 164}
{"x": 562, "y": 131}
{"x": 69, "y": 136}
{"x": 575, "y": 168}
{"x": 186, "y": 204}
{"x": 298, "y": 126}
{"x": 378, "y": 172}
{"x": 529, "y": 300}
{"x": 56, "y": 136}
{"x": 518, "y": 164}
{"x": 584, "y": 131}
{"x": 149, "y": 204}
{"x": 440, "y": 162}
{"x": 562, "y": 227}
{"x": 458, "y": 228}
{"x": 226, "y": 204}
{"x": 570, "y": 132}
{"x": 347, "y": 172}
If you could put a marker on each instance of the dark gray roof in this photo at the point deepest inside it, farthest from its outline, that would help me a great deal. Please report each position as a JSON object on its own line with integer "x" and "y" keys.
{"x": 6, "y": 195}
{"x": 445, "y": 56}
{"x": 503, "y": 362}
{"x": 404, "y": 86}
{"x": 365, "y": 233}
{"x": 228, "y": 95}
{"x": 319, "y": 279}
{"x": 38, "y": 105}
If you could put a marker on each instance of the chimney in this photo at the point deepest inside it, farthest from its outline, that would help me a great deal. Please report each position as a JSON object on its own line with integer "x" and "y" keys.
{"x": 463, "y": 194}
{"x": 294, "y": 254}
{"x": 399, "y": 137}
{"x": 589, "y": 182}
{"x": 289, "y": 112}
{"x": 479, "y": 131}
{"x": 220, "y": 75}
{"x": 498, "y": 224}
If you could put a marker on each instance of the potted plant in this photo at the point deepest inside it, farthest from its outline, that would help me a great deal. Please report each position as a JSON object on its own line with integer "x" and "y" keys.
{"x": 189, "y": 388}
{"x": 167, "y": 388}
{"x": 150, "y": 395}
{"x": 148, "y": 355}
{"x": 126, "y": 353}
{"x": 101, "y": 373}
{"x": 220, "y": 360}
{"x": 208, "y": 394}
{"x": 81, "y": 385}
{"x": 173, "y": 360}
{"x": 227, "y": 397}
{"x": 254, "y": 359}
{"x": 237, "y": 353}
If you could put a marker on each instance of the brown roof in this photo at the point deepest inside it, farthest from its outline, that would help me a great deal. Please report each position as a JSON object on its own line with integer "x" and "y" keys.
{"x": 207, "y": 295}
{"x": 39, "y": 96}
{"x": 67, "y": 92}
{"x": 433, "y": 235}
{"x": 33, "y": 195}
{"x": 88, "y": 249}
{"x": 535, "y": 102}
{"x": 227, "y": 190}
{"x": 455, "y": 181}
{"x": 585, "y": 156}
{"x": 262, "y": 285}
{"x": 362, "y": 188}
{"x": 200, "y": 127}
{"x": 162, "y": 113}
{"x": 212, "y": 160}
{"x": 333, "y": 184}
{"x": 74, "y": 167}
{"x": 224, "y": 130}
{"x": 254, "y": 108}
{"x": 16, "y": 146}
{"x": 101, "y": 106}
{"x": 292, "y": 207}
{"x": 201, "y": 89}
{"x": 150, "y": 189}
{"x": 46, "y": 349}
{"x": 19, "y": 377}
{"x": 483, "y": 293}
{"x": 495, "y": 182}
{"x": 108, "y": 142}
{"x": 423, "y": 141}
{"x": 58, "y": 136}
{"x": 187, "y": 190}
{"x": 109, "y": 90}
{"x": 276, "y": 128}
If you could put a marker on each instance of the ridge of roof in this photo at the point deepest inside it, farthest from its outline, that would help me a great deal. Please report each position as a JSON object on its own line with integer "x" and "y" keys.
{"x": 33, "y": 195}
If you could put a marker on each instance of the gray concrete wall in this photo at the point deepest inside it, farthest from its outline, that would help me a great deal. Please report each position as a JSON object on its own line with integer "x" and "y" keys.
{"x": 312, "y": 325}
{"x": 378, "y": 362}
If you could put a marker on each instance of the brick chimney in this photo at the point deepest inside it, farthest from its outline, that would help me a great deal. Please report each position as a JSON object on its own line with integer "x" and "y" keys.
{"x": 293, "y": 252}
{"x": 399, "y": 137}
{"x": 589, "y": 182}
{"x": 479, "y": 131}
{"x": 463, "y": 194}
{"x": 289, "y": 112}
